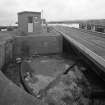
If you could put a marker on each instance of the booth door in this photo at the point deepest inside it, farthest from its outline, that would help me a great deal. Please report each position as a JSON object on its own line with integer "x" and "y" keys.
{"x": 30, "y": 27}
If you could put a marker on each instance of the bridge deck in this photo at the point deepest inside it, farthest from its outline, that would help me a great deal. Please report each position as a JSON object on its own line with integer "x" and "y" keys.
{"x": 92, "y": 44}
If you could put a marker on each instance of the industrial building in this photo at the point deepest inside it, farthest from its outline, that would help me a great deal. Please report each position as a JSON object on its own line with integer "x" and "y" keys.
{"x": 29, "y": 22}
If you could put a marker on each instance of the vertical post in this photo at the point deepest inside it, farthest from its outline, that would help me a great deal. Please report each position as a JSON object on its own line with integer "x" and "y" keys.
{"x": 19, "y": 61}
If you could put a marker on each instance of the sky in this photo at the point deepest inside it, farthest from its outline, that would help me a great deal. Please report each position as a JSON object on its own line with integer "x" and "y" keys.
{"x": 53, "y": 10}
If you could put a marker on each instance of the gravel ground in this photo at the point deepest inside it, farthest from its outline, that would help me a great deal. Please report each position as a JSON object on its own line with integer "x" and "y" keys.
{"x": 70, "y": 89}
{"x": 67, "y": 91}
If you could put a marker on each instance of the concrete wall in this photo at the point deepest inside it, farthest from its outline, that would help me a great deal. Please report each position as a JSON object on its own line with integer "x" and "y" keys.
{"x": 6, "y": 49}
{"x": 9, "y": 50}
{"x": 22, "y": 22}
{"x": 40, "y": 44}
{"x": 2, "y": 54}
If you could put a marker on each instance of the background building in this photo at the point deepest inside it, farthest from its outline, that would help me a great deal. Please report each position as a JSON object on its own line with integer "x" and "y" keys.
{"x": 29, "y": 22}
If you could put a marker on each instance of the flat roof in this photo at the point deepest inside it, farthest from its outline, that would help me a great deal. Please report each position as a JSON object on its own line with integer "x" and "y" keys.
{"x": 23, "y": 12}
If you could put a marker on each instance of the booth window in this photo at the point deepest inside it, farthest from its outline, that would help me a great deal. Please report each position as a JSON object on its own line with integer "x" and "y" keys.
{"x": 30, "y": 19}
{"x": 35, "y": 19}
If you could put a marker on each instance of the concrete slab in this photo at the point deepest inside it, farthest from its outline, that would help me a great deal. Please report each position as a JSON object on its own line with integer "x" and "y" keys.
{"x": 91, "y": 48}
